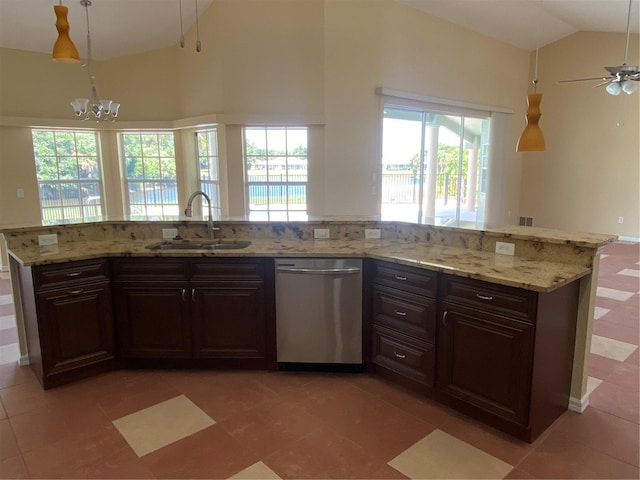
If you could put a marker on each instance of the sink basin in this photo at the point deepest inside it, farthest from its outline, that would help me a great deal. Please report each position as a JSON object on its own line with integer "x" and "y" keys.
{"x": 200, "y": 245}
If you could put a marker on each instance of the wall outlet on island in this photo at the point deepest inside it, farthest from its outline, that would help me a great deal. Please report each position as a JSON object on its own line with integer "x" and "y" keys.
{"x": 322, "y": 233}
{"x": 505, "y": 248}
{"x": 44, "y": 240}
{"x": 620, "y": 219}
{"x": 169, "y": 233}
{"x": 371, "y": 233}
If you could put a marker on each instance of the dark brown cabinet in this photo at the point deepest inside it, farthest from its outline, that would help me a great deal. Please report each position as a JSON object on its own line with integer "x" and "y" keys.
{"x": 404, "y": 324}
{"x": 68, "y": 320}
{"x": 504, "y": 354}
{"x": 217, "y": 311}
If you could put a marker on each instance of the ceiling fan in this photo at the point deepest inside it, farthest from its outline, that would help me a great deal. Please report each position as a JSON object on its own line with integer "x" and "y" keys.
{"x": 622, "y": 77}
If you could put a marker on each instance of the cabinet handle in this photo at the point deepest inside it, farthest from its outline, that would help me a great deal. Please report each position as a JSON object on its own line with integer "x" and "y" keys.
{"x": 184, "y": 295}
{"x": 444, "y": 318}
{"x": 73, "y": 274}
{"x": 193, "y": 294}
{"x": 76, "y": 292}
{"x": 484, "y": 297}
{"x": 400, "y": 277}
{"x": 399, "y": 355}
{"x": 400, "y": 314}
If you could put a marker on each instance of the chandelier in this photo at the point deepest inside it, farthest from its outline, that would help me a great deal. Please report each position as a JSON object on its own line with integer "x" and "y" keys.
{"x": 100, "y": 109}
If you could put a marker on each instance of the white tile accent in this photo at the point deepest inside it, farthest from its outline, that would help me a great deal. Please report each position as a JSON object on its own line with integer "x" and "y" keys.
{"x": 599, "y": 312}
{"x": 439, "y": 455}
{"x": 614, "y": 294}
{"x": 9, "y": 353}
{"x": 6, "y": 299}
{"x": 610, "y": 348}
{"x": 592, "y": 384}
{"x": 7, "y": 321}
{"x": 630, "y": 272}
{"x": 257, "y": 471}
{"x": 604, "y": 255}
{"x": 155, "y": 427}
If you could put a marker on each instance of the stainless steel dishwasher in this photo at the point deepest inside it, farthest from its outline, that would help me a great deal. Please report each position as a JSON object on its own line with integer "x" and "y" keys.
{"x": 319, "y": 313}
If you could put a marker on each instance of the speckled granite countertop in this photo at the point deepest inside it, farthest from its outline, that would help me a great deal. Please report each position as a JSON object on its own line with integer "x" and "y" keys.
{"x": 530, "y": 274}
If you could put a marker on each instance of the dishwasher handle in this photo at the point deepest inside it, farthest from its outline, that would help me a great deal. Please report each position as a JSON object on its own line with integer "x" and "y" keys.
{"x": 319, "y": 271}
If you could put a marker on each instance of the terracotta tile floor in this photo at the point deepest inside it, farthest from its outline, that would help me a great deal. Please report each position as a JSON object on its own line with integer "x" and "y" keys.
{"x": 216, "y": 424}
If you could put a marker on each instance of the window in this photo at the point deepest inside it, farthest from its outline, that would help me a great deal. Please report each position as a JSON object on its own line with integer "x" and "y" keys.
{"x": 150, "y": 174}
{"x": 208, "y": 171}
{"x": 276, "y": 172}
{"x": 434, "y": 165}
{"x": 68, "y": 173}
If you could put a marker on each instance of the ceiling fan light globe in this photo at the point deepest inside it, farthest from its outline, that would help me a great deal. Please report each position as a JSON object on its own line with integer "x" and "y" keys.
{"x": 629, "y": 87}
{"x": 614, "y": 88}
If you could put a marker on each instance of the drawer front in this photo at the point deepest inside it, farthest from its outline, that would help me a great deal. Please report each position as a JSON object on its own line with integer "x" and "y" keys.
{"x": 227, "y": 269}
{"x": 62, "y": 274}
{"x": 401, "y": 354}
{"x": 150, "y": 269}
{"x": 407, "y": 279}
{"x": 489, "y": 297}
{"x": 409, "y": 314}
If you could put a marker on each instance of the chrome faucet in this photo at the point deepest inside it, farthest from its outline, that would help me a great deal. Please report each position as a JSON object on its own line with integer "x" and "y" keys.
{"x": 188, "y": 211}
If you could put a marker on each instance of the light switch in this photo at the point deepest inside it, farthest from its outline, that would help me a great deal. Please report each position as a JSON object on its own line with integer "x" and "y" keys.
{"x": 20, "y": 192}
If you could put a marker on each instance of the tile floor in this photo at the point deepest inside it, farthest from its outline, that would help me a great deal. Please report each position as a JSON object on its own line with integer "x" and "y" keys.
{"x": 267, "y": 425}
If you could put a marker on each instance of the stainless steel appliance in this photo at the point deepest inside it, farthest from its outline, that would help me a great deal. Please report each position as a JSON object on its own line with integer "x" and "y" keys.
{"x": 319, "y": 313}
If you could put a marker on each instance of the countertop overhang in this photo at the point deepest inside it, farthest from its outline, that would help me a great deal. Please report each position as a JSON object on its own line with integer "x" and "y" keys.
{"x": 514, "y": 271}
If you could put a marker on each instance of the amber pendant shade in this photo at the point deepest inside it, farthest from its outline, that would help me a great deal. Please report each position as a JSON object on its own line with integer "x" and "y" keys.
{"x": 64, "y": 50}
{"x": 532, "y": 139}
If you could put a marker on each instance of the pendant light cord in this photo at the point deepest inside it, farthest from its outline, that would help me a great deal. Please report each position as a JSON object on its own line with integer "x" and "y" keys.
{"x": 198, "y": 44}
{"x": 181, "y": 28}
{"x": 94, "y": 94}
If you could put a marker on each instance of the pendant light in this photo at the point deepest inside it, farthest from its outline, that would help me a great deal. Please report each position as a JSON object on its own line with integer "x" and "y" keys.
{"x": 532, "y": 139}
{"x": 64, "y": 50}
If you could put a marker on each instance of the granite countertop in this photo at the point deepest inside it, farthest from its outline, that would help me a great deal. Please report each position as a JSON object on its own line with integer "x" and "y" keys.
{"x": 514, "y": 271}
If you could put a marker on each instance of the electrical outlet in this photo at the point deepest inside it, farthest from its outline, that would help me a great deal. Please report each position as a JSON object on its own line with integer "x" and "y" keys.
{"x": 620, "y": 219}
{"x": 169, "y": 233}
{"x": 322, "y": 233}
{"x": 505, "y": 248}
{"x": 372, "y": 233}
{"x": 44, "y": 240}
{"x": 20, "y": 192}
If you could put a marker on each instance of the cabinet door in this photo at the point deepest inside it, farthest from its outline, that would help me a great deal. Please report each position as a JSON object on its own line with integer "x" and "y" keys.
{"x": 229, "y": 321}
{"x": 153, "y": 320}
{"x": 75, "y": 328}
{"x": 485, "y": 360}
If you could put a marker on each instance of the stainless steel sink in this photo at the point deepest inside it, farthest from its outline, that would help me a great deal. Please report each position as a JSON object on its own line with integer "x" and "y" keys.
{"x": 200, "y": 245}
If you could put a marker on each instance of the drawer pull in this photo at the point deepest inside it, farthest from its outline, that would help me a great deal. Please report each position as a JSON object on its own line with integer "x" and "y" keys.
{"x": 401, "y": 278}
{"x": 444, "y": 318}
{"x": 399, "y": 355}
{"x": 184, "y": 295}
{"x": 484, "y": 297}
{"x": 400, "y": 314}
{"x": 76, "y": 292}
{"x": 73, "y": 274}
{"x": 193, "y": 294}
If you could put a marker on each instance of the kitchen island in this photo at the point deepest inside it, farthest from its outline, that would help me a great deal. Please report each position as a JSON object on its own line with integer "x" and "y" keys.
{"x": 550, "y": 272}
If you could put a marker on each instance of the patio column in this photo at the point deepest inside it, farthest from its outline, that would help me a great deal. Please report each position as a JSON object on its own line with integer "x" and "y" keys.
{"x": 431, "y": 173}
{"x": 472, "y": 179}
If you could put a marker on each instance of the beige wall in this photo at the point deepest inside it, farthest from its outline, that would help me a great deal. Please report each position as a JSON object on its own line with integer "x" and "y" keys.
{"x": 265, "y": 60}
{"x": 589, "y": 175}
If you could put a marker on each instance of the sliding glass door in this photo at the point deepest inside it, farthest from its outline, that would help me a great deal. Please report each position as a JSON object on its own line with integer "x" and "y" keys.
{"x": 434, "y": 166}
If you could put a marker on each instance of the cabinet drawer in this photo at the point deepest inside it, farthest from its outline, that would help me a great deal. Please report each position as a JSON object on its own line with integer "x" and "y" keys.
{"x": 63, "y": 274}
{"x": 227, "y": 269}
{"x": 401, "y": 354}
{"x": 407, "y": 279}
{"x": 150, "y": 269}
{"x": 409, "y": 314}
{"x": 489, "y": 297}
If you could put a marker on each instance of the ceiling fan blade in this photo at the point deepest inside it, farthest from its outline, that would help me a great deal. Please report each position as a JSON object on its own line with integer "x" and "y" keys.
{"x": 582, "y": 79}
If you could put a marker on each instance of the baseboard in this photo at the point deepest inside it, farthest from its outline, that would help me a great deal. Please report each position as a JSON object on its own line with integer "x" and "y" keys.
{"x": 622, "y": 238}
{"x": 23, "y": 360}
{"x": 4, "y": 268}
{"x": 579, "y": 405}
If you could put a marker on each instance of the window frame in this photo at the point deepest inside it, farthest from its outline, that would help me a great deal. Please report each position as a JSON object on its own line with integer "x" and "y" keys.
{"x": 210, "y": 187}
{"x": 85, "y": 208}
{"x": 289, "y": 186}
